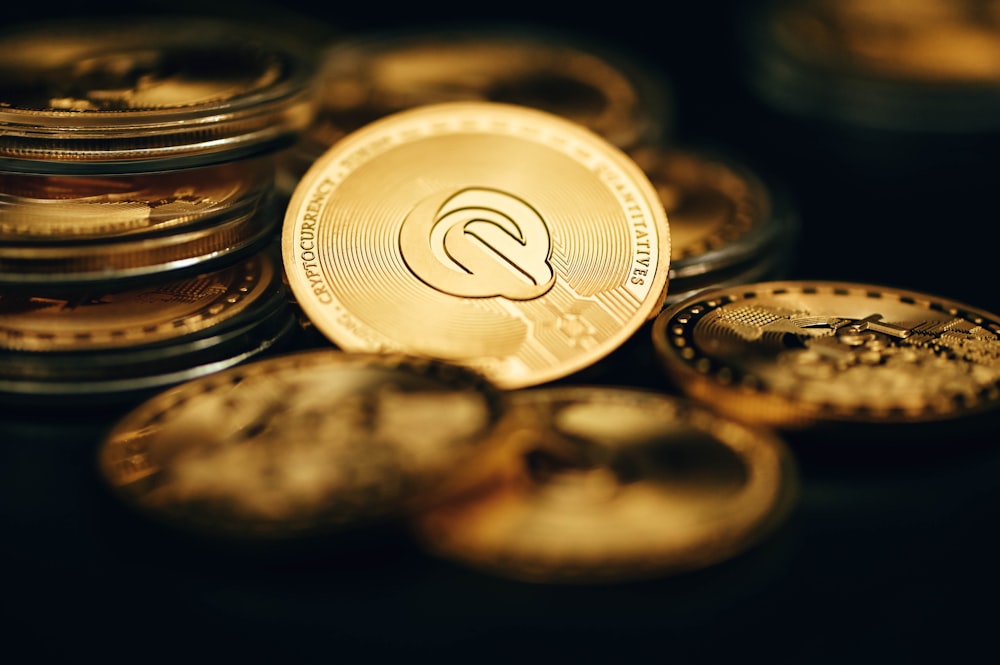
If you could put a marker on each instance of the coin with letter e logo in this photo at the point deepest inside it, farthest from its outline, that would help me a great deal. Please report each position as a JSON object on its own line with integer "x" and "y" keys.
{"x": 496, "y": 236}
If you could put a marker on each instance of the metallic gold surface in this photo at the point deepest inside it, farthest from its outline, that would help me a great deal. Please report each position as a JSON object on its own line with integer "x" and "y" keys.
{"x": 109, "y": 347}
{"x": 303, "y": 443}
{"x": 618, "y": 484}
{"x": 899, "y": 65}
{"x": 918, "y": 40}
{"x": 49, "y": 208}
{"x": 147, "y": 94}
{"x": 792, "y": 354}
{"x": 724, "y": 220}
{"x": 44, "y": 264}
{"x": 496, "y": 236}
{"x": 371, "y": 76}
{"x": 151, "y": 314}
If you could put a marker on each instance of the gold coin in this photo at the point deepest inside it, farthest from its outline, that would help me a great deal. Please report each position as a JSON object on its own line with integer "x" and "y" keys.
{"x": 725, "y": 221}
{"x": 793, "y": 354}
{"x": 501, "y": 237}
{"x": 303, "y": 443}
{"x": 373, "y": 75}
{"x": 60, "y": 208}
{"x": 137, "y": 252}
{"x": 110, "y": 96}
{"x": 920, "y": 65}
{"x": 618, "y": 484}
{"x": 123, "y": 343}
{"x": 150, "y": 314}
{"x": 929, "y": 41}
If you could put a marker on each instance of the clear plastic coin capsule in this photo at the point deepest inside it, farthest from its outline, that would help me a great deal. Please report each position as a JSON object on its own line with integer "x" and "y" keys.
{"x": 150, "y": 95}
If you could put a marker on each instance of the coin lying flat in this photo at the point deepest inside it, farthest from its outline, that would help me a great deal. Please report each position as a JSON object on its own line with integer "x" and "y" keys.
{"x": 795, "y": 354}
{"x": 57, "y": 265}
{"x": 56, "y": 208}
{"x": 618, "y": 484}
{"x": 115, "y": 344}
{"x": 373, "y": 75}
{"x": 726, "y": 223}
{"x": 104, "y": 96}
{"x": 303, "y": 443}
{"x": 495, "y": 236}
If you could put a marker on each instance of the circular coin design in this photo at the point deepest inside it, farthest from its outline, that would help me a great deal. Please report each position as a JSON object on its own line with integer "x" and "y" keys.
{"x": 496, "y": 236}
{"x": 618, "y": 484}
{"x": 304, "y": 442}
{"x": 796, "y": 353}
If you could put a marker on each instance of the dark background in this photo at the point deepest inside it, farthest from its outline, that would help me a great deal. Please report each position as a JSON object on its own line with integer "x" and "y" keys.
{"x": 889, "y": 556}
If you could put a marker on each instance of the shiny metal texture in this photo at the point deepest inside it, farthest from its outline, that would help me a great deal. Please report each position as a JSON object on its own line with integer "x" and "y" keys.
{"x": 305, "y": 443}
{"x": 60, "y": 233}
{"x": 496, "y": 236}
{"x": 727, "y": 224}
{"x": 913, "y": 66}
{"x": 615, "y": 485}
{"x": 803, "y": 354}
{"x": 371, "y": 75}
{"x": 116, "y": 346}
{"x": 102, "y": 96}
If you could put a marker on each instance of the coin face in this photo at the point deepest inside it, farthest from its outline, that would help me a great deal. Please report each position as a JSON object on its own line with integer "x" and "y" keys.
{"x": 618, "y": 484}
{"x": 792, "y": 354}
{"x": 495, "y": 236}
{"x": 302, "y": 443}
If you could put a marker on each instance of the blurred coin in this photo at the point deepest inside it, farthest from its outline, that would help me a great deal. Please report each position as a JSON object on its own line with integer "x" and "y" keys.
{"x": 726, "y": 223}
{"x": 501, "y": 237}
{"x": 304, "y": 443}
{"x": 373, "y": 75}
{"x": 618, "y": 484}
{"x": 106, "y": 96}
{"x": 89, "y": 348}
{"x": 797, "y": 354}
{"x": 900, "y": 65}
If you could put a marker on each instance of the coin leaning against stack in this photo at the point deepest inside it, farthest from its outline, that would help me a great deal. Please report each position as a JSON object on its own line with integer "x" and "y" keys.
{"x": 138, "y": 211}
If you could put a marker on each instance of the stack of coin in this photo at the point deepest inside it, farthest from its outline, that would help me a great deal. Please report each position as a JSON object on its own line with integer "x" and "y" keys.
{"x": 138, "y": 206}
{"x": 727, "y": 224}
{"x": 368, "y": 76}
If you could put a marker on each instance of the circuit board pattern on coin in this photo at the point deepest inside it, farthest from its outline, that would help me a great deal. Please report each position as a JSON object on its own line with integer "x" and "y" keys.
{"x": 500, "y": 237}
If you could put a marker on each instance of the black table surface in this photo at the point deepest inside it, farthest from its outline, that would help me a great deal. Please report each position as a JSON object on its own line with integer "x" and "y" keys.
{"x": 888, "y": 557}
